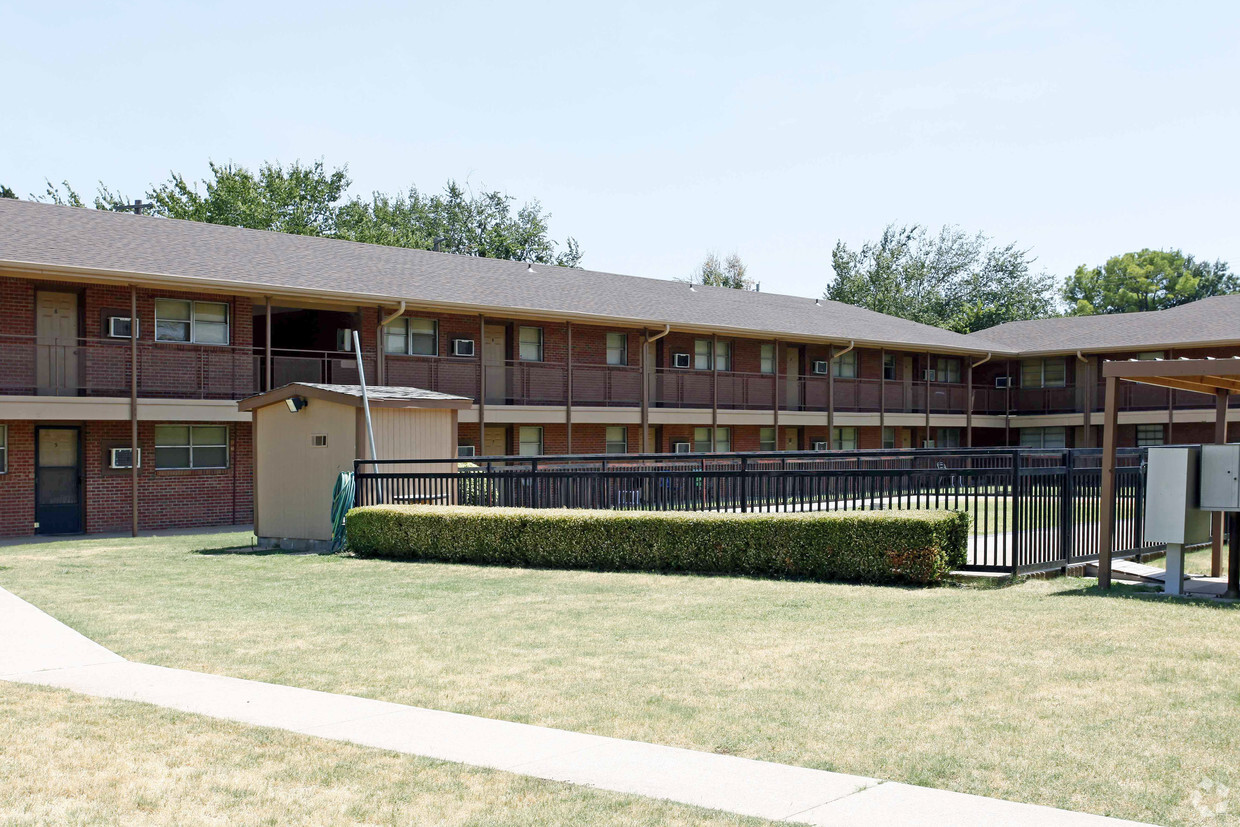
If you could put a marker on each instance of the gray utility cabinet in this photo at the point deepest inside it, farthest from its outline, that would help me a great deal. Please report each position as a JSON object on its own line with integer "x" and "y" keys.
{"x": 1220, "y": 477}
{"x": 1172, "y": 512}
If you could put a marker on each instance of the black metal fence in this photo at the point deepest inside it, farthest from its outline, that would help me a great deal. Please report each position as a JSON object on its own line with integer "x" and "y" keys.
{"x": 1032, "y": 509}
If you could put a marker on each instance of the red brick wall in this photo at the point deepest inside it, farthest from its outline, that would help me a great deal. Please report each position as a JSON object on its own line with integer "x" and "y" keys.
{"x": 17, "y": 485}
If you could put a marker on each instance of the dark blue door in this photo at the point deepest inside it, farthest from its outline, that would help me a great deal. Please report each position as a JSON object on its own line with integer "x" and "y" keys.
{"x": 58, "y": 479}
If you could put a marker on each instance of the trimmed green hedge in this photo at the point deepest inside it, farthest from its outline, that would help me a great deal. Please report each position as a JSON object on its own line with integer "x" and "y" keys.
{"x": 869, "y": 546}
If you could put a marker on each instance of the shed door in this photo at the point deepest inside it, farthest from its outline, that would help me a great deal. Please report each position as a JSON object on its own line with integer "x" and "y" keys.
{"x": 56, "y": 335}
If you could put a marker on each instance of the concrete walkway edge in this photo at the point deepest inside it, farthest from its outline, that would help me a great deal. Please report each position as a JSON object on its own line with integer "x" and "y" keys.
{"x": 38, "y": 649}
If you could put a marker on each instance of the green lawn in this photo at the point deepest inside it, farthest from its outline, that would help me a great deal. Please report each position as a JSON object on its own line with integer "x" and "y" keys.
{"x": 1047, "y": 691}
{"x": 73, "y": 759}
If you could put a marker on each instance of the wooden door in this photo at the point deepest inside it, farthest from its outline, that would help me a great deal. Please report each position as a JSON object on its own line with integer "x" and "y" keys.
{"x": 494, "y": 361}
{"x": 58, "y": 480}
{"x": 496, "y": 441}
{"x": 792, "y": 439}
{"x": 56, "y": 337}
{"x": 792, "y": 368}
{"x": 906, "y": 367}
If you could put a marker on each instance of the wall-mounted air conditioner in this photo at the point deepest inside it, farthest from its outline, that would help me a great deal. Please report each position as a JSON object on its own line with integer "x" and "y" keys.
{"x": 680, "y": 360}
{"x": 123, "y": 458}
{"x": 118, "y": 327}
{"x": 820, "y": 367}
{"x": 462, "y": 347}
{"x": 1003, "y": 381}
{"x": 927, "y": 443}
{"x": 821, "y": 445}
{"x": 681, "y": 448}
{"x": 465, "y": 451}
{"x": 929, "y": 375}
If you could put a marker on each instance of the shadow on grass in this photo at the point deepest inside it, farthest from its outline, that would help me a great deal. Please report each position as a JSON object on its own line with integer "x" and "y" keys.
{"x": 257, "y": 552}
{"x": 1147, "y": 592}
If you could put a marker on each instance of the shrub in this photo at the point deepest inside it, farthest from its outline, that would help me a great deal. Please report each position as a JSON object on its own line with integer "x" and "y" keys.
{"x": 868, "y": 546}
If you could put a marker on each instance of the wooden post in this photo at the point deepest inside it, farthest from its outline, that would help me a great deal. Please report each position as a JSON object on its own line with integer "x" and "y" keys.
{"x": 1088, "y": 403}
{"x": 380, "y": 350}
{"x": 968, "y": 403}
{"x": 714, "y": 384}
{"x": 1216, "y": 518}
{"x": 482, "y": 385}
{"x": 1007, "y": 405}
{"x": 1106, "y": 516}
{"x": 882, "y": 396}
{"x": 775, "y": 388}
{"x": 568, "y": 407}
{"x": 133, "y": 408}
{"x": 645, "y": 397}
{"x": 926, "y": 375}
{"x": 267, "y": 348}
{"x": 831, "y": 397}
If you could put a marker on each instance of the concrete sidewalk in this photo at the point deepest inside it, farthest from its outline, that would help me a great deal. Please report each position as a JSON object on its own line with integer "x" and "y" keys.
{"x": 37, "y": 649}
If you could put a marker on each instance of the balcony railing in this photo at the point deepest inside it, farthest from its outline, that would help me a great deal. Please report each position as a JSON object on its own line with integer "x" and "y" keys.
{"x": 607, "y": 385}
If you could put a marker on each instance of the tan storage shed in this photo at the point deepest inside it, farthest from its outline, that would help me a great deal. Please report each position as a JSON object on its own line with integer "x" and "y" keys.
{"x": 306, "y": 434}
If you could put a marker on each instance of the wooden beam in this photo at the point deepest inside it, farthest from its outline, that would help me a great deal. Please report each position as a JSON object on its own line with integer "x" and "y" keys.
{"x": 1177, "y": 368}
{"x": 1106, "y": 517}
{"x": 1216, "y": 517}
{"x": 133, "y": 409}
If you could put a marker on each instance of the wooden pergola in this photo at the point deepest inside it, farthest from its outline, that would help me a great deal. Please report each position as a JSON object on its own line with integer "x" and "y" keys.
{"x": 1217, "y": 377}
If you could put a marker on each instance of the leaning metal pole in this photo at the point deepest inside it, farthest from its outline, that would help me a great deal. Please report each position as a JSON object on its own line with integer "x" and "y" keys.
{"x": 361, "y": 373}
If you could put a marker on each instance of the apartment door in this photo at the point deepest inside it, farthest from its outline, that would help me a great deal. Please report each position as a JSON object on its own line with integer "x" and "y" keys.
{"x": 792, "y": 369}
{"x": 494, "y": 361}
{"x": 906, "y": 371}
{"x": 56, "y": 338}
{"x": 495, "y": 443}
{"x": 57, "y": 480}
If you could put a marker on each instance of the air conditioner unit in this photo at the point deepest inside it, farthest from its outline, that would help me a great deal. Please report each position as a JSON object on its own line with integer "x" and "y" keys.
{"x": 680, "y": 360}
{"x": 681, "y": 448}
{"x": 344, "y": 339}
{"x": 820, "y": 366}
{"x": 927, "y": 443}
{"x": 929, "y": 375}
{"x": 462, "y": 347}
{"x": 123, "y": 458}
{"x": 821, "y": 446}
{"x": 465, "y": 450}
{"x": 1003, "y": 381}
{"x": 118, "y": 327}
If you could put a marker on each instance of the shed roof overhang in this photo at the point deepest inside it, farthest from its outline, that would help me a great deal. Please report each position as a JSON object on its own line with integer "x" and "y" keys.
{"x": 378, "y": 396}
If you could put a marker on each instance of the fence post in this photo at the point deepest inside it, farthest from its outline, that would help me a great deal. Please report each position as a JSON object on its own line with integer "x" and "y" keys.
{"x": 744, "y": 484}
{"x": 1067, "y": 529}
{"x": 1016, "y": 511}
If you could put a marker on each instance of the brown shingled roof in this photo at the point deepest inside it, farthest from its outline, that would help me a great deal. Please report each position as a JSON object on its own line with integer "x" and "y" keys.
{"x": 1209, "y": 322}
{"x": 71, "y": 239}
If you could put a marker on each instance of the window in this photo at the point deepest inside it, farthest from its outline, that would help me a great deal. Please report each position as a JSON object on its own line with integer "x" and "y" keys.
{"x": 419, "y": 337}
{"x": 191, "y": 446}
{"x": 845, "y": 366}
{"x": 1149, "y": 435}
{"x": 723, "y": 355}
{"x": 530, "y": 438}
{"x": 4, "y": 449}
{"x": 1044, "y": 437}
{"x": 846, "y": 439}
{"x": 701, "y": 354}
{"x": 766, "y": 439}
{"x": 889, "y": 367}
{"x": 531, "y": 344}
{"x": 947, "y": 438}
{"x": 617, "y": 437}
{"x": 204, "y": 323}
{"x": 1043, "y": 373}
{"x": 465, "y": 450}
{"x": 889, "y": 437}
{"x": 767, "y": 359}
{"x": 617, "y": 348}
{"x": 947, "y": 370}
{"x": 701, "y": 440}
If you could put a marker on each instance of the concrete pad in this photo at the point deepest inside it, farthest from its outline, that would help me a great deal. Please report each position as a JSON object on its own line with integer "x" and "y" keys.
{"x": 909, "y": 806}
{"x": 33, "y": 641}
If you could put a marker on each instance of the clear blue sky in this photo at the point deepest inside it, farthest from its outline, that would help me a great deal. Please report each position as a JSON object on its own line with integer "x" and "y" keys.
{"x": 657, "y": 131}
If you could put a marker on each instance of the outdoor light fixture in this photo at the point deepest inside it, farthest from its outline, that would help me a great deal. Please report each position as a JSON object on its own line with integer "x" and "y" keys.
{"x": 296, "y": 403}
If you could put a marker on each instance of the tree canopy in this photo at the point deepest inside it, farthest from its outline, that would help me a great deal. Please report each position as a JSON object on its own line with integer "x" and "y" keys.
{"x": 950, "y": 279}
{"x": 1146, "y": 280}
{"x": 729, "y": 272}
{"x": 310, "y": 199}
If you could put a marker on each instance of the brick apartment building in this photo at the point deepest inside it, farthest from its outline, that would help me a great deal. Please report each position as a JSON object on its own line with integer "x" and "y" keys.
{"x": 556, "y": 361}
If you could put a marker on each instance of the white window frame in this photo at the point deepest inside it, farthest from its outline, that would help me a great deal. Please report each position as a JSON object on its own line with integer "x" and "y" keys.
{"x": 618, "y": 349}
{"x": 702, "y": 359}
{"x": 766, "y": 358}
{"x": 889, "y": 361}
{"x": 765, "y": 444}
{"x": 723, "y": 355}
{"x": 889, "y": 437}
{"x": 466, "y": 449}
{"x": 947, "y": 438}
{"x": 401, "y": 329}
{"x": 522, "y": 431}
{"x": 616, "y": 446}
{"x": 846, "y": 438}
{"x": 700, "y": 445}
{"x": 537, "y": 344}
{"x": 193, "y": 322}
{"x": 844, "y": 366}
{"x": 1036, "y": 437}
{"x": 723, "y": 440}
{"x": 192, "y": 444}
{"x": 947, "y": 369}
{"x": 1148, "y": 441}
{"x": 1037, "y": 367}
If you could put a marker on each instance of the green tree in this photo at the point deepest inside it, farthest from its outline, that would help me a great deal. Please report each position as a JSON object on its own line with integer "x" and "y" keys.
{"x": 6, "y": 192}
{"x": 1146, "y": 280}
{"x": 730, "y": 272}
{"x": 950, "y": 279}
